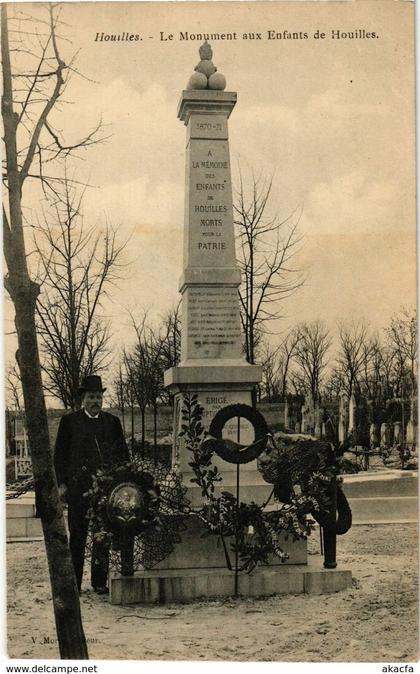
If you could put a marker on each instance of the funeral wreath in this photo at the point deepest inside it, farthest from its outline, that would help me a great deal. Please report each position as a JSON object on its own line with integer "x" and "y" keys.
{"x": 137, "y": 510}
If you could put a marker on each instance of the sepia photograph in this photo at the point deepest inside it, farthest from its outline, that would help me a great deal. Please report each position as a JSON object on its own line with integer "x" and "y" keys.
{"x": 210, "y": 332}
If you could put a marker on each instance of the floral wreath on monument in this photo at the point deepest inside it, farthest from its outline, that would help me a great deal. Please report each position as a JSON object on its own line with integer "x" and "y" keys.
{"x": 301, "y": 470}
{"x": 137, "y": 509}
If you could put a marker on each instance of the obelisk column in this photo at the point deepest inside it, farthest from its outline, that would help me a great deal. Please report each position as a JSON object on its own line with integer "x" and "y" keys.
{"x": 212, "y": 359}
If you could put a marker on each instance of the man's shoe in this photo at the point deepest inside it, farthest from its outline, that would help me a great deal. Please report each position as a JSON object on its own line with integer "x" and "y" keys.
{"x": 101, "y": 590}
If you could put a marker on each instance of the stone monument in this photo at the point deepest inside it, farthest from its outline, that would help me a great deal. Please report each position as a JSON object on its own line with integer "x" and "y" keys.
{"x": 343, "y": 417}
{"x": 212, "y": 360}
{"x": 213, "y": 367}
{"x": 352, "y": 415}
{"x": 286, "y": 415}
{"x": 411, "y": 430}
{"x": 386, "y": 435}
{"x": 398, "y": 435}
{"x": 374, "y": 436}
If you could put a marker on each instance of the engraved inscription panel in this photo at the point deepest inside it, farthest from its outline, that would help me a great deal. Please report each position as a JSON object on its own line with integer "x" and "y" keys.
{"x": 208, "y": 126}
{"x": 212, "y": 402}
{"x": 209, "y": 215}
{"x": 213, "y": 323}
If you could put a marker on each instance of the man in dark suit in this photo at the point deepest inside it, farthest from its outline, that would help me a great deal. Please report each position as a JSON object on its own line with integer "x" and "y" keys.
{"x": 87, "y": 440}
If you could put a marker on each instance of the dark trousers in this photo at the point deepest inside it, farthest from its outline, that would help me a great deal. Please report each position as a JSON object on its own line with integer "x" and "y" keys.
{"x": 78, "y": 528}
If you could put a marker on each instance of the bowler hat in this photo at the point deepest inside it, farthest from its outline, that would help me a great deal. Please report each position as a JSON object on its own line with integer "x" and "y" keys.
{"x": 91, "y": 383}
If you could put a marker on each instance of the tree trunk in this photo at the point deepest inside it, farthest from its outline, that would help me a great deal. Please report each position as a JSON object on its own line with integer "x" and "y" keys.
{"x": 24, "y": 292}
{"x": 123, "y": 416}
{"x": 71, "y": 638}
{"x": 132, "y": 426}
{"x": 143, "y": 430}
{"x": 155, "y": 430}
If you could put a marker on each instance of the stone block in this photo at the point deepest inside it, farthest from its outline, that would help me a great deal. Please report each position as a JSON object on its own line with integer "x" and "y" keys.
{"x": 204, "y": 126}
{"x": 185, "y": 585}
{"x": 212, "y": 401}
{"x": 197, "y": 552}
{"x": 205, "y": 276}
{"x": 193, "y": 102}
{"x": 235, "y": 373}
{"x": 326, "y": 580}
{"x": 18, "y": 508}
{"x": 390, "y": 483}
{"x": 265, "y": 582}
{"x": 384, "y": 509}
{"x": 16, "y": 527}
{"x": 386, "y": 432}
{"x": 33, "y": 527}
{"x": 411, "y": 433}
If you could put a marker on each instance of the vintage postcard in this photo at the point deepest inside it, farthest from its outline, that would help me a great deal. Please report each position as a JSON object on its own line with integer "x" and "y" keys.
{"x": 210, "y": 332}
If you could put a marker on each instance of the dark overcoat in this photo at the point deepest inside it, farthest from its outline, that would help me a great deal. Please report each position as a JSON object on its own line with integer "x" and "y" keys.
{"x": 83, "y": 445}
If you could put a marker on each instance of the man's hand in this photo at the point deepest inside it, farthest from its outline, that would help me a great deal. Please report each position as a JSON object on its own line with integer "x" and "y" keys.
{"x": 62, "y": 491}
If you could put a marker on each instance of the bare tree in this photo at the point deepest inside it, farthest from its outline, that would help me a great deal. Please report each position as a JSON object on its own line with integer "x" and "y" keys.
{"x": 354, "y": 355}
{"x": 14, "y": 388}
{"x": 77, "y": 266}
{"x": 120, "y": 387}
{"x": 14, "y": 405}
{"x": 148, "y": 362}
{"x": 33, "y": 85}
{"x": 171, "y": 328}
{"x": 267, "y": 246}
{"x": 299, "y": 383}
{"x": 137, "y": 368}
{"x": 276, "y": 362}
{"x": 270, "y": 384}
{"x": 130, "y": 390}
{"x": 402, "y": 341}
{"x": 334, "y": 384}
{"x": 374, "y": 376}
{"x": 287, "y": 353}
{"x": 311, "y": 354}
{"x": 156, "y": 348}
{"x": 171, "y": 345}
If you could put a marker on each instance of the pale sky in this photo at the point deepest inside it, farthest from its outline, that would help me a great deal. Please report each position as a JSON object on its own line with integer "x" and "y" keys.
{"x": 332, "y": 119}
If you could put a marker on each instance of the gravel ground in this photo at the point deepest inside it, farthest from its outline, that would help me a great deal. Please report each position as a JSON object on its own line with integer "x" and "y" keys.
{"x": 375, "y": 620}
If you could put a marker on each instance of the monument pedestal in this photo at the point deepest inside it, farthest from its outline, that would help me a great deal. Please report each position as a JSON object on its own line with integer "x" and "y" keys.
{"x": 197, "y": 569}
{"x": 186, "y": 585}
{"x": 216, "y": 386}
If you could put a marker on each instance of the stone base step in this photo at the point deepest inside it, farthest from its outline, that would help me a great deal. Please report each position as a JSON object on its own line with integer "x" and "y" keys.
{"x": 21, "y": 522}
{"x": 386, "y": 483}
{"x": 185, "y": 585}
{"x": 254, "y": 488}
{"x": 20, "y": 539}
{"x": 20, "y": 508}
{"x": 23, "y": 528}
{"x": 384, "y": 509}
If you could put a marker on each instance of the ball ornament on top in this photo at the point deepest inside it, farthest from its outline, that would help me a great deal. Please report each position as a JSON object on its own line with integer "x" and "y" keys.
{"x": 197, "y": 81}
{"x": 217, "y": 81}
{"x": 205, "y": 74}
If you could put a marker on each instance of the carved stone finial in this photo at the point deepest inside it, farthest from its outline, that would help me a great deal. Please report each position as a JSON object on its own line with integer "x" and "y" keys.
{"x": 205, "y": 75}
{"x": 206, "y": 52}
